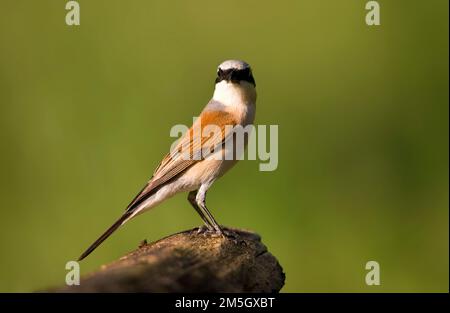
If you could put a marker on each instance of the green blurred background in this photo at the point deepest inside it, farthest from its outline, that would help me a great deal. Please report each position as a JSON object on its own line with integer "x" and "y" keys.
{"x": 363, "y": 133}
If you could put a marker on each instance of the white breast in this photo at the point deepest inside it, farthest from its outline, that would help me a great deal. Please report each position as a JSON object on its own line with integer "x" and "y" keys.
{"x": 238, "y": 99}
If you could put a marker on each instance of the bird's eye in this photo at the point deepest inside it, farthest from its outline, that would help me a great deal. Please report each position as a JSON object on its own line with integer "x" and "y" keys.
{"x": 219, "y": 72}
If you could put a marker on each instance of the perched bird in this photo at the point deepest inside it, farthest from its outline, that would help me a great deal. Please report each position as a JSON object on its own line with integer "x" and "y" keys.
{"x": 233, "y": 103}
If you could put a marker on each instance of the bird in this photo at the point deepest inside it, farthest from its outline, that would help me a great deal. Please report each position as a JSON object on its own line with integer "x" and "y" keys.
{"x": 233, "y": 104}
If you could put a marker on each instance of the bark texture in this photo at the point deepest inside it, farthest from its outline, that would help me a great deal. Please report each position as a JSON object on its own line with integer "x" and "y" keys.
{"x": 191, "y": 262}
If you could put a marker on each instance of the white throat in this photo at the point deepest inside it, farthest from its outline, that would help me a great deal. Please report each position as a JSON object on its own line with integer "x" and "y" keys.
{"x": 232, "y": 94}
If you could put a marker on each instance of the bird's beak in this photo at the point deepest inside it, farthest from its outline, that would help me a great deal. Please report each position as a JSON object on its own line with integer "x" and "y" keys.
{"x": 228, "y": 76}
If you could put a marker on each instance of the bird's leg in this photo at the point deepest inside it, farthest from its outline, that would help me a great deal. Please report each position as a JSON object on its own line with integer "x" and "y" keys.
{"x": 193, "y": 202}
{"x": 201, "y": 202}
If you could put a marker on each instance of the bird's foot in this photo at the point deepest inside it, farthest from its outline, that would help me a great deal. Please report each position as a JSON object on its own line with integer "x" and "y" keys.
{"x": 218, "y": 232}
{"x": 230, "y": 235}
{"x": 204, "y": 230}
{"x": 226, "y": 234}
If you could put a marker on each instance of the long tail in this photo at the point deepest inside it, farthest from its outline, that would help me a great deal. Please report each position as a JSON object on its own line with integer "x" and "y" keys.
{"x": 106, "y": 234}
{"x": 133, "y": 209}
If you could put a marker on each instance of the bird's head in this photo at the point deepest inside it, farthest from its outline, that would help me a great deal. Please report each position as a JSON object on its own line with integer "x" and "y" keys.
{"x": 235, "y": 83}
{"x": 235, "y": 71}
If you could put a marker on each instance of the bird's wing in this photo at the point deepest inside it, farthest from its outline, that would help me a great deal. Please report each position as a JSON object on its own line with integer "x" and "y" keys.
{"x": 176, "y": 163}
{"x": 196, "y": 143}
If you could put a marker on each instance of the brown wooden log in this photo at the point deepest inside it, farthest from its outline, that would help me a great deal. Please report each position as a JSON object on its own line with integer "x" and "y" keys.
{"x": 191, "y": 262}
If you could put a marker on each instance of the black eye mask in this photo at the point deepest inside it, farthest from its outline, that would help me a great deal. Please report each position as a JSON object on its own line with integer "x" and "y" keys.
{"x": 235, "y": 75}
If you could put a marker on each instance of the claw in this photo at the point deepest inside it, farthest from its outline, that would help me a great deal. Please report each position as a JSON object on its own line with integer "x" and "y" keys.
{"x": 202, "y": 229}
{"x": 230, "y": 236}
{"x": 205, "y": 230}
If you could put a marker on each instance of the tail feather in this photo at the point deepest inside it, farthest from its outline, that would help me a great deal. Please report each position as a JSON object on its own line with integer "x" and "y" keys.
{"x": 106, "y": 234}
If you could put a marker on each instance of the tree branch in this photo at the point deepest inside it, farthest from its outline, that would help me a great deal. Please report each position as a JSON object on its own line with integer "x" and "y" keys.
{"x": 191, "y": 262}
